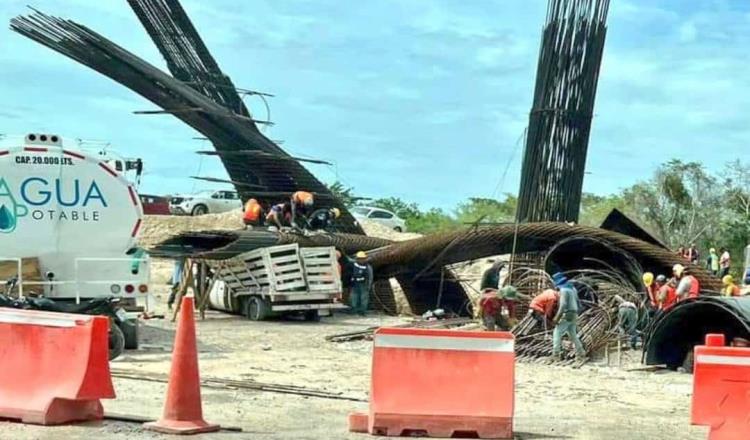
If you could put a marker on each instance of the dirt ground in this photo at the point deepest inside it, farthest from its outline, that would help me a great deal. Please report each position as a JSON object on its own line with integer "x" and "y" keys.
{"x": 594, "y": 402}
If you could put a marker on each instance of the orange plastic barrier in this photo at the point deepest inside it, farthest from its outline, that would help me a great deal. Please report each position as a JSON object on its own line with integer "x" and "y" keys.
{"x": 56, "y": 366}
{"x": 440, "y": 383}
{"x": 721, "y": 389}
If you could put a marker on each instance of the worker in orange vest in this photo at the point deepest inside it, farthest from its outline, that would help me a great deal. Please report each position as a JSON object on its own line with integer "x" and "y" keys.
{"x": 730, "y": 289}
{"x": 253, "y": 215}
{"x": 301, "y": 203}
{"x": 688, "y": 286}
{"x": 542, "y": 306}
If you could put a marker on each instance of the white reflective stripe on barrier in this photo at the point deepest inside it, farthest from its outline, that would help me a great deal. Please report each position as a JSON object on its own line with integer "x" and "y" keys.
{"x": 36, "y": 320}
{"x": 723, "y": 360}
{"x": 444, "y": 343}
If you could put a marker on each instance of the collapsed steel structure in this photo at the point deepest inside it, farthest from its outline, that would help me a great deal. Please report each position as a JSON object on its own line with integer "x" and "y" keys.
{"x": 598, "y": 248}
{"x": 675, "y": 333}
{"x": 198, "y": 93}
{"x": 560, "y": 118}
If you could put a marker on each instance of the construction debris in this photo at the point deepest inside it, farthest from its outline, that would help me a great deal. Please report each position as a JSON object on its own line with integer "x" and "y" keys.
{"x": 433, "y": 324}
{"x": 238, "y": 384}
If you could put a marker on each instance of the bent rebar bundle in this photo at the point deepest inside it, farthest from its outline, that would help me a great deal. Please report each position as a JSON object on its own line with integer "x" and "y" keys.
{"x": 560, "y": 119}
{"x": 199, "y": 94}
{"x": 432, "y": 251}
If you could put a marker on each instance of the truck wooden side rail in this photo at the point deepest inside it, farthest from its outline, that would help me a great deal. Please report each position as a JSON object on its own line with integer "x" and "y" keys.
{"x": 277, "y": 280}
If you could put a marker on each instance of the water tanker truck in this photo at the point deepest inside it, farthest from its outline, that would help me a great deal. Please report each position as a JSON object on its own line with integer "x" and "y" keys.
{"x": 77, "y": 218}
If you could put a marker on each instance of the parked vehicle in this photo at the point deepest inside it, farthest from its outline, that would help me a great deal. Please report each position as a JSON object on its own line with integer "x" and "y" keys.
{"x": 79, "y": 218}
{"x": 746, "y": 277}
{"x": 379, "y": 215}
{"x": 155, "y": 205}
{"x": 205, "y": 202}
{"x": 105, "y": 306}
{"x": 278, "y": 280}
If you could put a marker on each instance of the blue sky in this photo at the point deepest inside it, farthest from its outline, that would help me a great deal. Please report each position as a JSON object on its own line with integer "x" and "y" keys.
{"x": 423, "y": 100}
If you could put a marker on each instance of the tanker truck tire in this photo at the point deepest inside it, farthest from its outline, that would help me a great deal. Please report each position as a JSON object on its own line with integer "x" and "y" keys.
{"x": 200, "y": 210}
{"x": 312, "y": 315}
{"x": 130, "y": 331}
{"x": 116, "y": 342}
{"x": 257, "y": 308}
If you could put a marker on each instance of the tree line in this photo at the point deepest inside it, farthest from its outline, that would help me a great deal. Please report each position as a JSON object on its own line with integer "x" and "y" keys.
{"x": 681, "y": 203}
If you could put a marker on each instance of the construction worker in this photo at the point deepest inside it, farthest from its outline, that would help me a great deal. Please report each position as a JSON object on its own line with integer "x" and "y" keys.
{"x": 725, "y": 262}
{"x": 491, "y": 276}
{"x": 253, "y": 214}
{"x": 692, "y": 254}
{"x": 688, "y": 285}
{"x": 323, "y": 219}
{"x": 276, "y": 215}
{"x": 651, "y": 290}
{"x": 498, "y": 308}
{"x": 361, "y": 282}
{"x": 730, "y": 288}
{"x": 627, "y": 320}
{"x": 301, "y": 204}
{"x": 179, "y": 265}
{"x": 489, "y": 308}
{"x": 542, "y": 306}
{"x": 667, "y": 295}
{"x": 712, "y": 263}
{"x": 566, "y": 318}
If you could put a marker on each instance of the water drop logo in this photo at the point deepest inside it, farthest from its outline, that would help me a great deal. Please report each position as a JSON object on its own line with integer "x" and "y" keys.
{"x": 10, "y": 210}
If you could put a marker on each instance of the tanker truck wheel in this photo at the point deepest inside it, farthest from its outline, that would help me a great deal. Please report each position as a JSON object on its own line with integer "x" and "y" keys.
{"x": 130, "y": 332}
{"x": 116, "y": 341}
{"x": 257, "y": 308}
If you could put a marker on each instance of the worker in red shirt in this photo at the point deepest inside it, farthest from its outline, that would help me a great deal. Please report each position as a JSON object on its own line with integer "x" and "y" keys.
{"x": 498, "y": 308}
{"x": 543, "y": 306}
{"x": 253, "y": 215}
{"x": 667, "y": 295}
{"x": 688, "y": 285}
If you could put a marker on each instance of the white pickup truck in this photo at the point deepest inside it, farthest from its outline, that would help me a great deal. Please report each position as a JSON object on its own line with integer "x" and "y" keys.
{"x": 78, "y": 217}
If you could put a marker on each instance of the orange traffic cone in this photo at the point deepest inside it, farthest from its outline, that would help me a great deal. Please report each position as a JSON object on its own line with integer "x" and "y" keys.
{"x": 183, "y": 413}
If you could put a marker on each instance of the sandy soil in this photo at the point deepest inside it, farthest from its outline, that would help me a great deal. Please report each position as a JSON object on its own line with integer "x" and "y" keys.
{"x": 594, "y": 402}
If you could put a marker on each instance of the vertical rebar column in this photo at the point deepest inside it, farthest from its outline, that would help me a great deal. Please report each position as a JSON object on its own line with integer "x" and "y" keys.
{"x": 560, "y": 118}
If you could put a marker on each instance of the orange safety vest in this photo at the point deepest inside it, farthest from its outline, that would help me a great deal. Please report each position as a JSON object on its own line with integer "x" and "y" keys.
{"x": 252, "y": 211}
{"x": 302, "y": 198}
{"x": 695, "y": 287}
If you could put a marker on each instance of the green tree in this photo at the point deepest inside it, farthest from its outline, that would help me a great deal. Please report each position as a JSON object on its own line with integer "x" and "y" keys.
{"x": 487, "y": 210}
{"x": 343, "y": 193}
{"x": 433, "y": 220}
{"x": 397, "y": 206}
{"x": 681, "y": 202}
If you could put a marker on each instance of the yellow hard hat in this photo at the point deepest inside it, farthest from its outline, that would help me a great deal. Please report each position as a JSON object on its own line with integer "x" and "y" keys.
{"x": 361, "y": 254}
{"x": 727, "y": 280}
{"x": 712, "y": 250}
{"x": 336, "y": 212}
{"x": 677, "y": 269}
{"x": 648, "y": 278}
